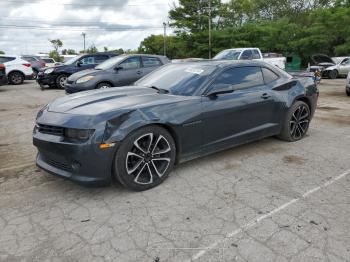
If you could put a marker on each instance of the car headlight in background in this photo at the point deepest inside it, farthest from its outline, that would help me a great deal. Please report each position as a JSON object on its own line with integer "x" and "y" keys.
{"x": 84, "y": 79}
{"x": 78, "y": 134}
{"x": 49, "y": 71}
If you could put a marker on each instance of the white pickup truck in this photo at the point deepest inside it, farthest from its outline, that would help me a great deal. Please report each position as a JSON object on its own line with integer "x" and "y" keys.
{"x": 250, "y": 54}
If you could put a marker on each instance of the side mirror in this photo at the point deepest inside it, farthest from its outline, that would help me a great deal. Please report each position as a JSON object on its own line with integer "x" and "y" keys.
{"x": 79, "y": 63}
{"x": 220, "y": 89}
{"x": 118, "y": 67}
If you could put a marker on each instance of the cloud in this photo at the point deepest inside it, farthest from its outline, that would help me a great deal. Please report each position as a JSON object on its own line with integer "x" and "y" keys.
{"x": 111, "y": 23}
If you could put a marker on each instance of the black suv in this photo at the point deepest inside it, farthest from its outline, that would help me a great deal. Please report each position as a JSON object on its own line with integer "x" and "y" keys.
{"x": 56, "y": 76}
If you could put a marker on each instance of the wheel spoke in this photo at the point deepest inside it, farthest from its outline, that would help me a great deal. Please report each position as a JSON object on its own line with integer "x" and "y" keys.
{"x": 162, "y": 151}
{"x": 136, "y": 166}
{"x": 144, "y": 150}
{"x": 160, "y": 173}
{"x": 139, "y": 174}
{"x": 302, "y": 129}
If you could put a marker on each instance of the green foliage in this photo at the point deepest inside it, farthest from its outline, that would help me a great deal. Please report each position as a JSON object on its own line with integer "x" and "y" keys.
{"x": 69, "y": 52}
{"x": 288, "y": 27}
{"x": 56, "y": 56}
{"x": 56, "y": 43}
{"x": 91, "y": 50}
{"x": 2, "y": 52}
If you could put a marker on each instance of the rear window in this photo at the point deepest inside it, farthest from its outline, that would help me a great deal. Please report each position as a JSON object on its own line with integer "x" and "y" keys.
{"x": 150, "y": 61}
{"x": 269, "y": 76}
{"x": 4, "y": 59}
{"x": 48, "y": 60}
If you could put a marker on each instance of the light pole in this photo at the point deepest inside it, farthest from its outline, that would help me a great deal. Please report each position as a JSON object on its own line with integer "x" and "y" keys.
{"x": 209, "y": 29}
{"x": 84, "y": 35}
{"x": 164, "y": 37}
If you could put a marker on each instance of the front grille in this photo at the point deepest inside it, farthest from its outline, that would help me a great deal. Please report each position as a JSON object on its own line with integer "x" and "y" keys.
{"x": 51, "y": 130}
{"x": 57, "y": 164}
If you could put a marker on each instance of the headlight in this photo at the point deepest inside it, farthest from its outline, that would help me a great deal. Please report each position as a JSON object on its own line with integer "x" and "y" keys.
{"x": 49, "y": 71}
{"x": 84, "y": 79}
{"x": 41, "y": 111}
{"x": 78, "y": 134}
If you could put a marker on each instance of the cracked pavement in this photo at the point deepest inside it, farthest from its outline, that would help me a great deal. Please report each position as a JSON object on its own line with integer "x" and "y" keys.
{"x": 205, "y": 211}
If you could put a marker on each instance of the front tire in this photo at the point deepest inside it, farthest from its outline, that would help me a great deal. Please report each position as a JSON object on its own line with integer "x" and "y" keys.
{"x": 61, "y": 81}
{"x": 103, "y": 86}
{"x": 16, "y": 78}
{"x": 333, "y": 74}
{"x": 296, "y": 123}
{"x": 145, "y": 158}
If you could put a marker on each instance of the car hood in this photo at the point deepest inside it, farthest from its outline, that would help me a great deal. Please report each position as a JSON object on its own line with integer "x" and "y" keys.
{"x": 104, "y": 101}
{"x": 80, "y": 74}
{"x": 321, "y": 59}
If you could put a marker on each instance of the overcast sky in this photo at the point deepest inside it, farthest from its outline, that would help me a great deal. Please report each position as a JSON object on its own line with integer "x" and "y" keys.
{"x": 103, "y": 21}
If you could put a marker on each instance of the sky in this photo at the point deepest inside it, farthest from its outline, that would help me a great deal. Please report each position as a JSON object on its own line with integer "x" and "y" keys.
{"x": 27, "y": 25}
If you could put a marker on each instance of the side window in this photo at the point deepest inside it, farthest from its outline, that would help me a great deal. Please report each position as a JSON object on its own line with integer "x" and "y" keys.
{"x": 101, "y": 58}
{"x": 240, "y": 77}
{"x": 247, "y": 55}
{"x": 88, "y": 60}
{"x": 256, "y": 54}
{"x": 269, "y": 76}
{"x": 5, "y": 59}
{"x": 131, "y": 63}
{"x": 28, "y": 58}
{"x": 150, "y": 61}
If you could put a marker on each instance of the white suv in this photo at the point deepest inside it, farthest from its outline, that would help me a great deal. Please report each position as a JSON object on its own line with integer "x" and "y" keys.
{"x": 17, "y": 69}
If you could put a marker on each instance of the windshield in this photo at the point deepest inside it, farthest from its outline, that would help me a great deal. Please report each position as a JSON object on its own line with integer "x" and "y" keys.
{"x": 232, "y": 54}
{"x": 73, "y": 60}
{"x": 178, "y": 79}
{"x": 110, "y": 63}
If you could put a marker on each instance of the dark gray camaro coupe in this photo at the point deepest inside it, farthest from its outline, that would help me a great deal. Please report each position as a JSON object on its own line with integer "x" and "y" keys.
{"x": 179, "y": 112}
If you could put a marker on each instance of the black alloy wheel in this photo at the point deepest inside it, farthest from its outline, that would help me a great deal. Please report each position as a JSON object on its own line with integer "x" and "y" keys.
{"x": 145, "y": 158}
{"x": 296, "y": 123}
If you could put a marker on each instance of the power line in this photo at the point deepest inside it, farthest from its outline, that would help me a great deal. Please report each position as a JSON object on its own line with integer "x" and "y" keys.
{"x": 83, "y": 5}
{"x": 79, "y": 29}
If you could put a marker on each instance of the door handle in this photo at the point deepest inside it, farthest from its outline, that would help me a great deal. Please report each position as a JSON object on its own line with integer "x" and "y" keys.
{"x": 139, "y": 72}
{"x": 265, "y": 96}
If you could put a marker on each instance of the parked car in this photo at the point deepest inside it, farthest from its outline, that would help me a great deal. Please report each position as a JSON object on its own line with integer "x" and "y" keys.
{"x": 176, "y": 113}
{"x": 56, "y": 76}
{"x": 3, "y": 77}
{"x": 250, "y": 54}
{"x": 36, "y": 62}
{"x": 50, "y": 62}
{"x": 116, "y": 71}
{"x": 17, "y": 69}
{"x": 347, "y": 89}
{"x": 330, "y": 68}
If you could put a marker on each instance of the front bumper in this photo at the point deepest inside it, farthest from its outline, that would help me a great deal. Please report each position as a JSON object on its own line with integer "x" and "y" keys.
{"x": 84, "y": 163}
{"x": 46, "y": 79}
{"x": 74, "y": 88}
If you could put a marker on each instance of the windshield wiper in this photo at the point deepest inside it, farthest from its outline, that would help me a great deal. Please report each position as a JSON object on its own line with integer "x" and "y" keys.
{"x": 160, "y": 90}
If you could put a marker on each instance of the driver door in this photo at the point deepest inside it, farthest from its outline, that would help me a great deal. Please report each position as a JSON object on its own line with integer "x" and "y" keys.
{"x": 240, "y": 116}
{"x": 344, "y": 67}
{"x": 130, "y": 71}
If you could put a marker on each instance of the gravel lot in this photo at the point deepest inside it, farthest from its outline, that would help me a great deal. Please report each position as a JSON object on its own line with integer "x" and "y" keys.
{"x": 265, "y": 201}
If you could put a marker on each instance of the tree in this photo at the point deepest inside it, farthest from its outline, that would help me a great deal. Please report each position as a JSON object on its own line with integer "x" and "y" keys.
{"x": 56, "y": 43}
{"x": 193, "y": 15}
{"x": 2, "y": 52}
{"x": 56, "y": 56}
{"x": 69, "y": 52}
{"x": 91, "y": 50}
{"x": 105, "y": 49}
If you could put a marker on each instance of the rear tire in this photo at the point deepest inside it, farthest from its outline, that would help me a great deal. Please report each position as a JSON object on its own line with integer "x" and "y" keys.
{"x": 333, "y": 74}
{"x": 296, "y": 122}
{"x": 35, "y": 74}
{"x": 61, "y": 80}
{"x": 16, "y": 78}
{"x": 145, "y": 158}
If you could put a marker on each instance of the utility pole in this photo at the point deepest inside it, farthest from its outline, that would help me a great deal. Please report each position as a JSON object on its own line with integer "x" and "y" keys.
{"x": 164, "y": 37}
{"x": 209, "y": 29}
{"x": 84, "y": 35}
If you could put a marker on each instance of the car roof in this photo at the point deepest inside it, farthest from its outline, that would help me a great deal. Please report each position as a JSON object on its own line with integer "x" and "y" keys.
{"x": 227, "y": 63}
{"x": 160, "y": 56}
